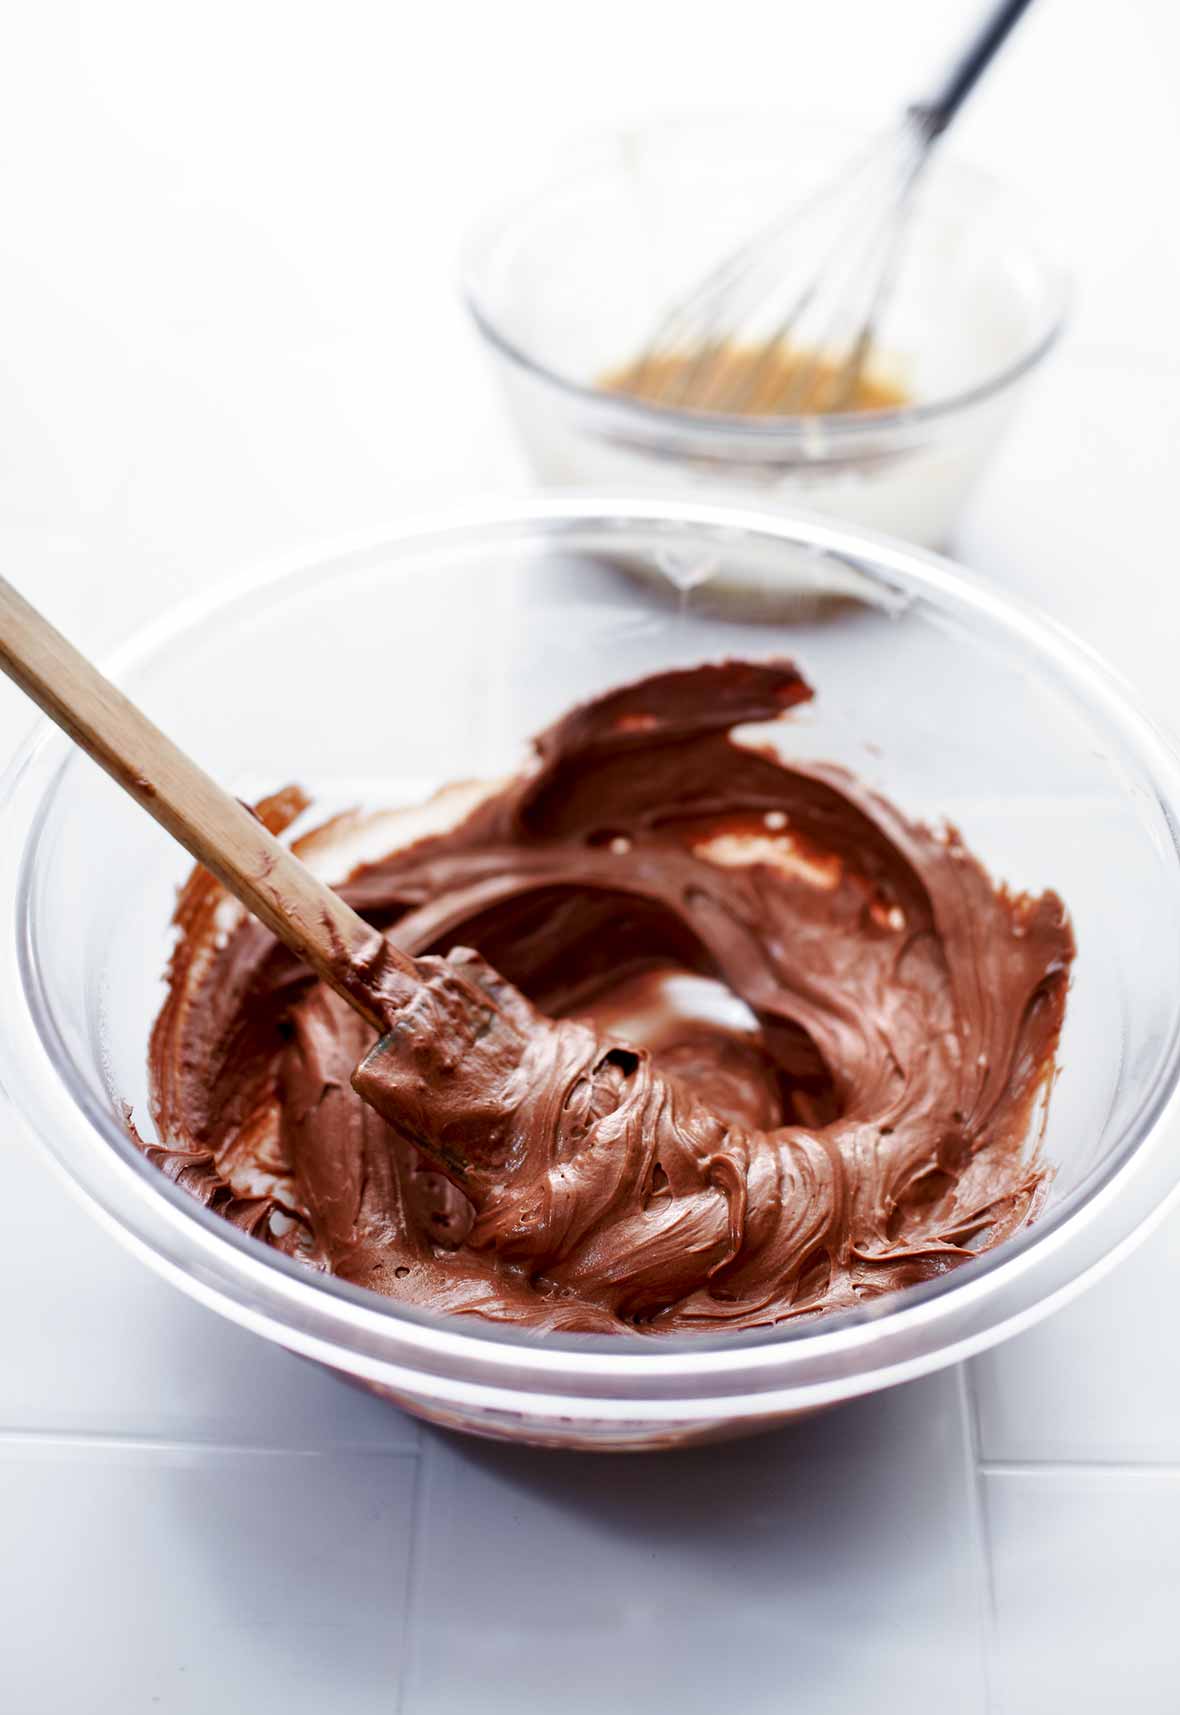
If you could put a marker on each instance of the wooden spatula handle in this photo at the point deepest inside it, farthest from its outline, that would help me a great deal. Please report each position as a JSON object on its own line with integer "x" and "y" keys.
{"x": 220, "y": 832}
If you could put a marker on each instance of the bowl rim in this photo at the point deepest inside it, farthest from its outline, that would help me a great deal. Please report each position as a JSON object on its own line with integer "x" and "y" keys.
{"x": 693, "y": 1377}
{"x": 632, "y": 418}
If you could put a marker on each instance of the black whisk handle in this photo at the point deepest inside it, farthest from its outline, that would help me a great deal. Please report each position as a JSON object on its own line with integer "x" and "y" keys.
{"x": 936, "y": 114}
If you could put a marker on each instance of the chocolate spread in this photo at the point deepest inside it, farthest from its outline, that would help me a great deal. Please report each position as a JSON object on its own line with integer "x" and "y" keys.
{"x": 706, "y": 1039}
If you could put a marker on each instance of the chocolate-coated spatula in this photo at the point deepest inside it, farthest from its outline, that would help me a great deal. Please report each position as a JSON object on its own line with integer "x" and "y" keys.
{"x": 429, "y": 1013}
{"x": 502, "y": 1098}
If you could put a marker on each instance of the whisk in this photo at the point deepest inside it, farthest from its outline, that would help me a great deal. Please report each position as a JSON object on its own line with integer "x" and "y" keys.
{"x": 762, "y": 335}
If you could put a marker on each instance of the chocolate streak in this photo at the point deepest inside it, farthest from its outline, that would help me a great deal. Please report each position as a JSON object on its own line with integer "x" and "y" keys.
{"x": 591, "y": 1157}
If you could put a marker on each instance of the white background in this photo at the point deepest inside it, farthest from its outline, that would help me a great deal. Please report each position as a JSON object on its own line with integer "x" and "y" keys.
{"x": 228, "y": 331}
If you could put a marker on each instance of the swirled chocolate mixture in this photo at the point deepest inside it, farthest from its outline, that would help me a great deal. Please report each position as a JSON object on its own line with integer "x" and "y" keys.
{"x": 707, "y": 1038}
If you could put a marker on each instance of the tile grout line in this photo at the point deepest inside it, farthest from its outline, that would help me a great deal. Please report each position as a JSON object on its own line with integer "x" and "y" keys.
{"x": 982, "y": 1544}
{"x": 68, "y": 1440}
{"x": 423, "y": 1478}
{"x": 1093, "y": 1467}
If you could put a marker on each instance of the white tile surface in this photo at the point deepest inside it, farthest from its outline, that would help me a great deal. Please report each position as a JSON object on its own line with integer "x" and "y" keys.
{"x": 102, "y": 1345}
{"x": 825, "y": 1567}
{"x": 1076, "y": 514}
{"x": 1086, "y": 1578}
{"x": 1099, "y": 1381}
{"x": 134, "y": 1581}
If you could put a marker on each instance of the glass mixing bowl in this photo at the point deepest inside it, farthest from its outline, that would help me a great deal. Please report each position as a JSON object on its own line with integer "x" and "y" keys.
{"x": 567, "y": 284}
{"x": 376, "y": 675}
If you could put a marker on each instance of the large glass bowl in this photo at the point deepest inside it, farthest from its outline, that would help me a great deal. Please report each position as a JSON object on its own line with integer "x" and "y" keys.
{"x": 567, "y": 283}
{"x": 433, "y": 655}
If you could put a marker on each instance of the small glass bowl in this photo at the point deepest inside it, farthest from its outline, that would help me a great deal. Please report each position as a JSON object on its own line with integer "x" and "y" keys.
{"x": 376, "y": 675}
{"x": 567, "y": 285}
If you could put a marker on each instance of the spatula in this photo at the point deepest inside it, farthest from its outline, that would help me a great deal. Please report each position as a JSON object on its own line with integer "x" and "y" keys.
{"x": 219, "y": 830}
{"x": 499, "y": 1096}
